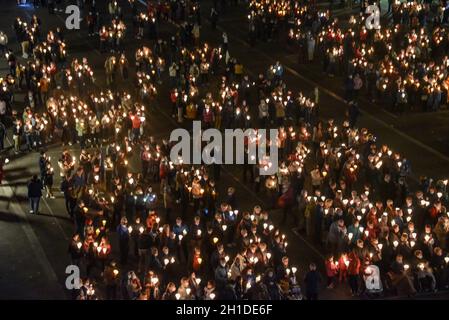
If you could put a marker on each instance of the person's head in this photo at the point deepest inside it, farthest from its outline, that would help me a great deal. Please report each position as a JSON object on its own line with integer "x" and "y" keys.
{"x": 184, "y": 282}
{"x": 404, "y": 237}
{"x": 171, "y": 287}
{"x": 409, "y": 200}
{"x": 154, "y": 251}
{"x": 396, "y": 228}
{"x": 123, "y": 221}
{"x": 285, "y": 261}
{"x": 312, "y": 266}
{"x": 210, "y": 284}
{"x": 418, "y": 254}
{"x": 438, "y": 251}
{"x": 360, "y": 243}
{"x": 253, "y": 247}
{"x": 399, "y": 258}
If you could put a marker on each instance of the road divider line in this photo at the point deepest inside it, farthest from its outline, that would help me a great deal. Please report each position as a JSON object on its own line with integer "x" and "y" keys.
{"x": 67, "y": 238}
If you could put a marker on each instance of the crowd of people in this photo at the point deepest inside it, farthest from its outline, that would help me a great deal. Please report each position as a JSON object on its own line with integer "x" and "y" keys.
{"x": 160, "y": 230}
{"x": 401, "y": 65}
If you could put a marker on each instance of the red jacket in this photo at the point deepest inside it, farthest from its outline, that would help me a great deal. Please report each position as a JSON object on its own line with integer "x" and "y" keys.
{"x": 354, "y": 264}
{"x": 136, "y": 122}
{"x": 331, "y": 268}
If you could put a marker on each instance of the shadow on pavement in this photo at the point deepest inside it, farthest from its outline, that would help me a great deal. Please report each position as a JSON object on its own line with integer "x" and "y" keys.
{"x": 10, "y": 217}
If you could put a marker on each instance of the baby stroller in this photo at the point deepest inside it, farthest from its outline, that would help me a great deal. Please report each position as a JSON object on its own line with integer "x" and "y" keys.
{"x": 373, "y": 283}
{"x": 295, "y": 293}
{"x": 292, "y": 290}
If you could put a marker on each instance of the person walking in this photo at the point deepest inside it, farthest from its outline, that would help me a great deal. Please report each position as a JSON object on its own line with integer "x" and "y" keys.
{"x": 34, "y": 194}
{"x": 312, "y": 281}
{"x": 353, "y": 113}
{"x": 123, "y": 238}
{"x": 354, "y": 272}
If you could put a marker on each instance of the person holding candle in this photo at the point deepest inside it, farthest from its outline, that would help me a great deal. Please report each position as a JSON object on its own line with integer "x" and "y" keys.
{"x": 423, "y": 271}
{"x": 399, "y": 275}
{"x": 111, "y": 275}
{"x": 123, "y": 238}
{"x": 331, "y": 271}
{"x": 133, "y": 285}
